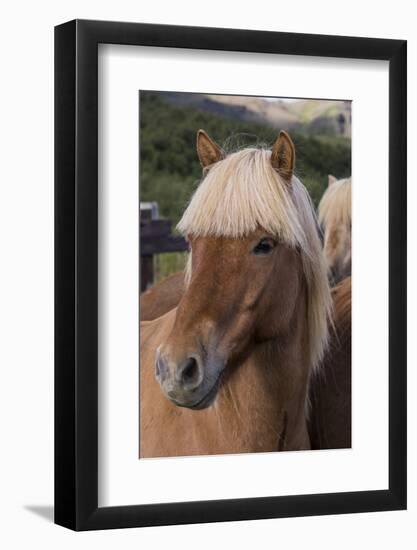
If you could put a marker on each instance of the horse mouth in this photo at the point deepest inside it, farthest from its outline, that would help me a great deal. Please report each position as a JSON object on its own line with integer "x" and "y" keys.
{"x": 206, "y": 400}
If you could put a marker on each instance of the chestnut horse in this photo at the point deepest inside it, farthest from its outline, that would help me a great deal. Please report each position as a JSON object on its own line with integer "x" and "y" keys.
{"x": 228, "y": 370}
{"x": 330, "y": 388}
{"x": 335, "y": 217}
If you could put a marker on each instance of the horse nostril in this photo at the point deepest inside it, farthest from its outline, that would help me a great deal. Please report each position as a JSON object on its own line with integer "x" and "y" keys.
{"x": 190, "y": 372}
{"x": 161, "y": 370}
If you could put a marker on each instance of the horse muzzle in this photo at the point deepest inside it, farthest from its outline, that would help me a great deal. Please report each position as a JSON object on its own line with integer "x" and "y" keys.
{"x": 188, "y": 382}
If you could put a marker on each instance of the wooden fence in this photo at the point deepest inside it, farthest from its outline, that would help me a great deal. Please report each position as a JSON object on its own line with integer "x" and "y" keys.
{"x": 155, "y": 238}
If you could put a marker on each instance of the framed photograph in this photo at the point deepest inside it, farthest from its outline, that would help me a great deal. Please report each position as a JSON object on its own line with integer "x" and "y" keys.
{"x": 230, "y": 256}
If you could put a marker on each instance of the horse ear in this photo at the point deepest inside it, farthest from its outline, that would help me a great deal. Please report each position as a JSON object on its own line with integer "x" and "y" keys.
{"x": 208, "y": 151}
{"x": 283, "y": 156}
{"x": 332, "y": 179}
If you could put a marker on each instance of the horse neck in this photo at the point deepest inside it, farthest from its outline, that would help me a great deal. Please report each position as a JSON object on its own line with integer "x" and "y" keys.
{"x": 277, "y": 372}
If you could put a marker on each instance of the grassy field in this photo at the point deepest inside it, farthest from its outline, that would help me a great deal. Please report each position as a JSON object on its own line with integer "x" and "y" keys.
{"x": 166, "y": 264}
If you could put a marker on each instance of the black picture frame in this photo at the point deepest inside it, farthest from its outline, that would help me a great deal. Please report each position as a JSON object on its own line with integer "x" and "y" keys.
{"x": 76, "y": 272}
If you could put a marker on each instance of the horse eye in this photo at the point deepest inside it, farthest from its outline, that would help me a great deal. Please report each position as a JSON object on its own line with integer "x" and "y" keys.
{"x": 264, "y": 247}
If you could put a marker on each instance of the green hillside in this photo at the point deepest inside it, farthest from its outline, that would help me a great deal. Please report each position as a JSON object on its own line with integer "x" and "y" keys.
{"x": 169, "y": 168}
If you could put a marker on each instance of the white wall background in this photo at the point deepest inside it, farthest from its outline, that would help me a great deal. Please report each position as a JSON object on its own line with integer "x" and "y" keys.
{"x": 26, "y": 285}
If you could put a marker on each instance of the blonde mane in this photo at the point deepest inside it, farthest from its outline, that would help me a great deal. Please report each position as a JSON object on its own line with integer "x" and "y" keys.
{"x": 243, "y": 193}
{"x": 336, "y": 204}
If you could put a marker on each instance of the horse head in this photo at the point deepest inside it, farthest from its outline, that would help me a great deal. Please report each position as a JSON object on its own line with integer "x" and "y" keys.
{"x": 255, "y": 266}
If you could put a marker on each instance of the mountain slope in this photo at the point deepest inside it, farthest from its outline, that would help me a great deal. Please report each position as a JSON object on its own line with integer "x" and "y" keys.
{"x": 329, "y": 117}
